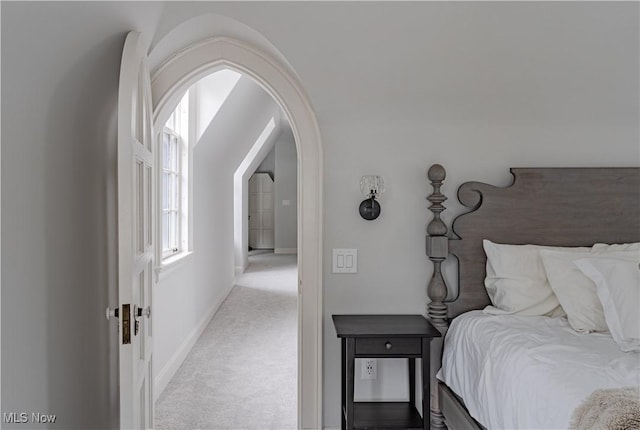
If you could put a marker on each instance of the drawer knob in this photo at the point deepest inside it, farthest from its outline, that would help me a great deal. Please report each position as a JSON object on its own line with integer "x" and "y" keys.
{"x": 388, "y": 345}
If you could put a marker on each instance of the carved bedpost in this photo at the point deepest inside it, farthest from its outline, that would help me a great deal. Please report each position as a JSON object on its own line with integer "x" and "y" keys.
{"x": 437, "y": 251}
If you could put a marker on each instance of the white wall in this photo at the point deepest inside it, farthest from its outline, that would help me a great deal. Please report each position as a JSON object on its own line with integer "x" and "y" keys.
{"x": 189, "y": 294}
{"x": 286, "y": 190}
{"x": 268, "y": 165}
{"x": 211, "y": 93}
{"x": 60, "y": 65}
{"x": 478, "y": 87}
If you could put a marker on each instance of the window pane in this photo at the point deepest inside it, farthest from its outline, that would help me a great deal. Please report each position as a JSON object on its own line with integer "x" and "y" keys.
{"x": 176, "y": 231}
{"x": 165, "y": 231}
{"x": 169, "y": 191}
{"x": 165, "y": 190}
{"x": 165, "y": 149}
{"x": 174, "y": 154}
{"x": 172, "y": 230}
{"x": 172, "y": 181}
{"x": 175, "y": 189}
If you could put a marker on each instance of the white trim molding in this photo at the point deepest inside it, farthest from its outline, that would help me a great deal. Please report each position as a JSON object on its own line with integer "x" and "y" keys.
{"x": 285, "y": 251}
{"x": 239, "y": 270}
{"x": 185, "y": 68}
{"x": 169, "y": 370}
{"x": 169, "y": 264}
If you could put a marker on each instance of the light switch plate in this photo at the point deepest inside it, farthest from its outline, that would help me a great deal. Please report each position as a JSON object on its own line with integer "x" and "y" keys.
{"x": 345, "y": 260}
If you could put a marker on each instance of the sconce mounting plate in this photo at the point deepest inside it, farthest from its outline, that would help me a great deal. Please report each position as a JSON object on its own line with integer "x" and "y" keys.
{"x": 369, "y": 209}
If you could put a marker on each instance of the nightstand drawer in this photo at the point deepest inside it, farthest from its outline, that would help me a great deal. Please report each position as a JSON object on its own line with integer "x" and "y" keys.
{"x": 388, "y": 346}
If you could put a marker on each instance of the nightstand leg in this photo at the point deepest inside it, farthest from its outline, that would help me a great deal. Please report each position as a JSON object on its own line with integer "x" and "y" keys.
{"x": 343, "y": 404}
{"x": 426, "y": 376}
{"x": 412, "y": 381}
{"x": 349, "y": 380}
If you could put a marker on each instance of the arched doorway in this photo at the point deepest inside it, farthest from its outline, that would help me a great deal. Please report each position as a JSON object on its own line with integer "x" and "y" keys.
{"x": 168, "y": 84}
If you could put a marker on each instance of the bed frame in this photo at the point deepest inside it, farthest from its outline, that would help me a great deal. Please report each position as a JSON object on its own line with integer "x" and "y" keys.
{"x": 543, "y": 206}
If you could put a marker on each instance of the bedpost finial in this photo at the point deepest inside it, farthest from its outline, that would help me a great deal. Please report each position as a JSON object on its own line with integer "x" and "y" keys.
{"x": 436, "y": 173}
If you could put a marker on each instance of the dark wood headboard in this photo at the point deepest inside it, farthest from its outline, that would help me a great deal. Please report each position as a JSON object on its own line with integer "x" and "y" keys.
{"x": 543, "y": 206}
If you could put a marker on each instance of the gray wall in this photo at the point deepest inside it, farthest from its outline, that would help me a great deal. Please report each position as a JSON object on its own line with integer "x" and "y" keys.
{"x": 268, "y": 165}
{"x": 286, "y": 188}
{"x": 60, "y": 66}
{"x": 396, "y": 87}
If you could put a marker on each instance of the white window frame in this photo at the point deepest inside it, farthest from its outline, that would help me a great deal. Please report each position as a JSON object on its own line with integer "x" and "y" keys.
{"x": 176, "y": 176}
{"x": 184, "y": 131}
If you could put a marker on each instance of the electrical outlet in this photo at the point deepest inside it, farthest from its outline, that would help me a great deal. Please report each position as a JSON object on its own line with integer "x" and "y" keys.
{"x": 369, "y": 369}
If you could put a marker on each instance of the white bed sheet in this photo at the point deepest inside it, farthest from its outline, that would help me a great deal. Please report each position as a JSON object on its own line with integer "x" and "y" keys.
{"x": 526, "y": 372}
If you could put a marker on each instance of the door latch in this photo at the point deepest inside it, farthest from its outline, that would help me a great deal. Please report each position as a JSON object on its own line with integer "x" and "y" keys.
{"x": 138, "y": 313}
{"x": 126, "y": 324}
{"x": 112, "y": 313}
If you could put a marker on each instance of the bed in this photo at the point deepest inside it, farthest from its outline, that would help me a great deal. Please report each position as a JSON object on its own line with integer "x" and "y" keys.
{"x": 551, "y": 207}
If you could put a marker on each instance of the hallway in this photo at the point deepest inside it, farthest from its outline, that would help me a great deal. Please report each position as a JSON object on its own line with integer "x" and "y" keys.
{"x": 242, "y": 372}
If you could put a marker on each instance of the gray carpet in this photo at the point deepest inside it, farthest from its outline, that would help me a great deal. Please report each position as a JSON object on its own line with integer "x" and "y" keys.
{"x": 242, "y": 372}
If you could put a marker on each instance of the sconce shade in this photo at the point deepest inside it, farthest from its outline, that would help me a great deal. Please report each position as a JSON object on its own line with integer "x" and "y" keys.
{"x": 371, "y": 186}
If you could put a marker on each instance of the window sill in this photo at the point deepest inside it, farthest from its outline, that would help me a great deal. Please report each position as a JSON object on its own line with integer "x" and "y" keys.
{"x": 168, "y": 264}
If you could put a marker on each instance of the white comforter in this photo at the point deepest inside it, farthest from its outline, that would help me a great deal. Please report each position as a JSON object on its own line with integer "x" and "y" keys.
{"x": 523, "y": 372}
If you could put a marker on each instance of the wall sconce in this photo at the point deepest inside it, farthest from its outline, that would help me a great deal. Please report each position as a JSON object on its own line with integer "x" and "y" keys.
{"x": 371, "y": 187}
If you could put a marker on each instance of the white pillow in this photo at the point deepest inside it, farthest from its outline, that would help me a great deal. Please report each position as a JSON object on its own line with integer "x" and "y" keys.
{"x": 605, "y": 247}
{"x": 575, "y": 291}
{"x": 516, "y": 280}
{"x": 618, "y": 287}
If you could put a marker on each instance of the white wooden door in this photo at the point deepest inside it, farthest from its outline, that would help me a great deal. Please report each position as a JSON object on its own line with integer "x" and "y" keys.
{"x": 261, "y": 219}
{"x": 135, "y": 235}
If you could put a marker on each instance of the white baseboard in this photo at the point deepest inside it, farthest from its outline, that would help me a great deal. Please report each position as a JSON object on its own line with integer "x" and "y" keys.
{"x": 285, "y": 251}
{"x": 322, "y": 428}
{"x": 167, "y": 373}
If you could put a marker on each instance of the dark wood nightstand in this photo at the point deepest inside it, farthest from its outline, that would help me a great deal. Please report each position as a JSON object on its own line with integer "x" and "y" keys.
{"x": 384, "y": 336}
